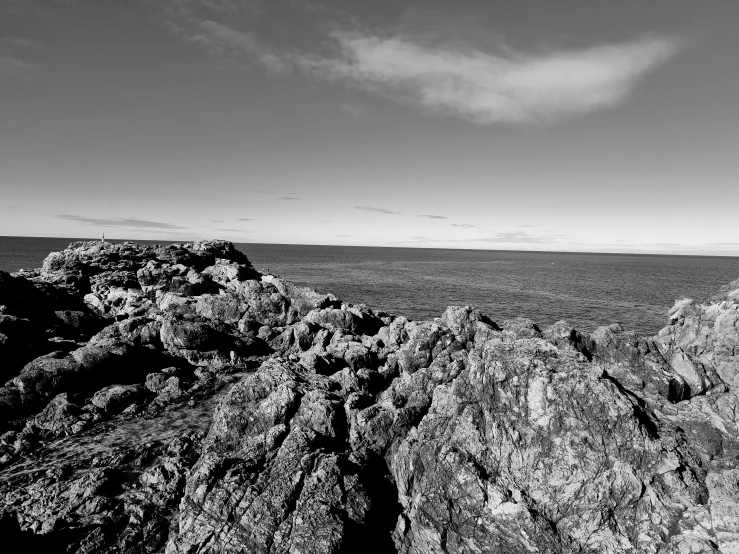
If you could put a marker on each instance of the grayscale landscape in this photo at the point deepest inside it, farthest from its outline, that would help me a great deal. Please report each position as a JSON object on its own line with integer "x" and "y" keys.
{"x": 315, "y": 277}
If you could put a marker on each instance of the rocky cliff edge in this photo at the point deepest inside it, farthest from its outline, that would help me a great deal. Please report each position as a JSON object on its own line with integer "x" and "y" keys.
{"x": 173, "y": 399}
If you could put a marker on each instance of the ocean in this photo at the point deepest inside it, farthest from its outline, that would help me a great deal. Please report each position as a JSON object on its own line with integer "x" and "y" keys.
{"x": 587, "y": 290}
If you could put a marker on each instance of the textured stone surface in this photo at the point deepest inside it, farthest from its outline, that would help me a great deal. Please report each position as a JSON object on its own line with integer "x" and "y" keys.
{"x": 172, "y": 399}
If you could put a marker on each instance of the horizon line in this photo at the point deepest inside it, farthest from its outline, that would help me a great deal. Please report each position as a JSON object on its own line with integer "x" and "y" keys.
{"x": 601, "y": 253}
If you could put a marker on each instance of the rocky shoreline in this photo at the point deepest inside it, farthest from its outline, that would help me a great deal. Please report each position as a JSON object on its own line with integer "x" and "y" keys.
{"x": 173, "y": 399}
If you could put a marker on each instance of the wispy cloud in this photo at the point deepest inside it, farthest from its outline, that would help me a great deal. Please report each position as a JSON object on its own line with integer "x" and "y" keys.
{"x": 260, "y": 191}
{"x": 245, "y": 219}
{"x": 9, "y": 64}
{"x": 217, "y": 221}
{"x": 240, "y": 47}
{"x": 486, "y": 87}
{"x": 373, "y": 209}
{"x": 13, "y": 42}
{"x": 463, "y": 225}
{"x": 13, "y": 54}
{"x": 290, "y": 197}
{"x": 120, "y": 222}
{"x": 431, "y": 216}
{"x": 233, "y": 230}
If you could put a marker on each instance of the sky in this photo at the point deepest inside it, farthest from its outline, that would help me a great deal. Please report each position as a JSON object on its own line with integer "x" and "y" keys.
{"x": 588, "y": 125}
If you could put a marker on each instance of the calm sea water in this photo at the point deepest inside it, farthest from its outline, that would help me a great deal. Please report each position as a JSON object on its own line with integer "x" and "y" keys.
{"x": 587, "y": 290}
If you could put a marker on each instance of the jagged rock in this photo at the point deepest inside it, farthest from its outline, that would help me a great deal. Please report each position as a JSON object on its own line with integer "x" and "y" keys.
{"x": 562, "y": 335}
{"x": 140, "y": 331}
{"x": 225, "y": 272}
{"x": 425, "y": 342}
{"x": 60, "y": 415}
{"x": 48, "y": 375}
{"x": 115, "y": 398}
{"x": 332, "y": 428}
{"x": 276, "y": 303}
{"x": 223, "y": 307}
{"x": 507, "y": 457}
{"x": 156, "y": 381}
{"x": 204, "y": 342}
{"x": 288, "y": 481}
{"x": 703, "y": 341}
{"x": 466, "y": 322}
{"x": 156, "y": 276}
{"x": 520, "y": 328}
{"x": 352, "y": 321}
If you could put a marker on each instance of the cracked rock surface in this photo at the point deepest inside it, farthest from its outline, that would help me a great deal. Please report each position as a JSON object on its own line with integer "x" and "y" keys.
{"x": 172, "y": 399}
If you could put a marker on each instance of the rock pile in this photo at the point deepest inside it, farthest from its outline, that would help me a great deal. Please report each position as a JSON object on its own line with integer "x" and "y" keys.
{"x": 173, "y": 399}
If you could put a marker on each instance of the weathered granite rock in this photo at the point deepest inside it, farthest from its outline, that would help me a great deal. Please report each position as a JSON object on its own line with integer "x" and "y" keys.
{"x": 276, "y": 474}
{"x": 60, "y": 415}
{"x": 332, "y": 428}
{"x": 701, "y": 341}
{"x": 115, "y": 398}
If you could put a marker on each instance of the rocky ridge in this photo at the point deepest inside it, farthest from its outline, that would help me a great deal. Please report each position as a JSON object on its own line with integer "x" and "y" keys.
{"x": 173, "y": 399}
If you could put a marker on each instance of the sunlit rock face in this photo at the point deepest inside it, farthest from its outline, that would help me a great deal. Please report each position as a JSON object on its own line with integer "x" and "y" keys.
{"x": 173, "y": 399}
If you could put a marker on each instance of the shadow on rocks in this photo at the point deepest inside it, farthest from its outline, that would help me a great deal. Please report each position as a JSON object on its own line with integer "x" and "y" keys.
{"x": 17, "y": 540}
{"x": 376, "y": 535}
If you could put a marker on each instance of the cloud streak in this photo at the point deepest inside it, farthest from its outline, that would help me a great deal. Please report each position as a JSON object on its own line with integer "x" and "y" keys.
{"x": 12, "y": 54}
{"x": 378, "y": 210}
{"x": 432, "y": 216}
{"x": 481, "y": 85}
{"x": 10, "y": 64}
{"x": 119, "y": 222}
{"x": 487, "y": 88}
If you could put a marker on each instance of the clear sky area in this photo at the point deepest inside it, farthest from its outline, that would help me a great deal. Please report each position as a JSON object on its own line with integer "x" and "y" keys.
{"x": 588, "y": 125}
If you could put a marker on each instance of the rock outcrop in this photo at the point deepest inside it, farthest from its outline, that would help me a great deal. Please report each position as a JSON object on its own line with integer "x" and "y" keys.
{"x": 173, "y": 399}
